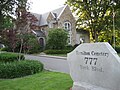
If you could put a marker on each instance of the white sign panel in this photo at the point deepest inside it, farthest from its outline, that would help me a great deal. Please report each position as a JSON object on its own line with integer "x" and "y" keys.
{"x": 94, "y": 66}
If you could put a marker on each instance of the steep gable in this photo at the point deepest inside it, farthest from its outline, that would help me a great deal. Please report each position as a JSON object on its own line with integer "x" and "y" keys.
{"x": 50, "y": 17}
{"x": 66, "y": 13}
{"x": 42, "y": 18}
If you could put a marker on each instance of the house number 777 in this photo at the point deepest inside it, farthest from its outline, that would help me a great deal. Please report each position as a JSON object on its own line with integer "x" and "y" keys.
{"x": 91, "y": 61}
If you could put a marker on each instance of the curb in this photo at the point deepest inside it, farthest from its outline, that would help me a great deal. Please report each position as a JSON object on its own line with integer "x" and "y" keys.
{"x": 49, "y": 56}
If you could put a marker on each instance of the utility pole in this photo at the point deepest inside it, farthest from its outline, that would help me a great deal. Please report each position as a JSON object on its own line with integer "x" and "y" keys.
{"x": 113, "y": 28}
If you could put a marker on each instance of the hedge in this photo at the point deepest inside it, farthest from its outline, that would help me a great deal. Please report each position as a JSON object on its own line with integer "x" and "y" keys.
{"x": 117, "y": 48}
{"x": 19, "y": 68}
{"x": 10, "y": 57}
{"x": 57, "y": 51}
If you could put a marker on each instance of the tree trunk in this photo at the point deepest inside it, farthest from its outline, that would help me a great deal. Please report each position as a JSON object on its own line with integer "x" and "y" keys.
{"x": 20, "y": 48}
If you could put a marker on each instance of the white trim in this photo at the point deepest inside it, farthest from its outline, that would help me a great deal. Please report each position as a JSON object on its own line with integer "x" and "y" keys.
{"x": 53, "y": 15}
{"x": 67, "y": 22}
{"x": 62, "y": 11}
{"x": 49, "y": 15}
{"x": 34, "y": 32}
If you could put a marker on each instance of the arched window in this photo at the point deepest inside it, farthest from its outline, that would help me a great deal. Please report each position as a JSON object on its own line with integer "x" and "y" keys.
{"x": 67, "y": 26}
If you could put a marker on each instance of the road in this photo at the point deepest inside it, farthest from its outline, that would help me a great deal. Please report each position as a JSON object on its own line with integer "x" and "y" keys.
{"x": 52, "y": 63}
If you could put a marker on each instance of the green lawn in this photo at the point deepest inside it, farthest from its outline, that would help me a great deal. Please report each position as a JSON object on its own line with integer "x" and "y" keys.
{"x": 41, "y": 81}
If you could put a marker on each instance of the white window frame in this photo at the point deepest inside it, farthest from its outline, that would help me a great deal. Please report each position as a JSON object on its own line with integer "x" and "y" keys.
{"x": 67, "y": 27}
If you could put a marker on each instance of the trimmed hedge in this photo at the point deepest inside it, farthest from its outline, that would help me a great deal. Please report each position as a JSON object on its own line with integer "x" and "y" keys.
{"x": 10, "y": 57}
{"x": 57, "y": 51}
{"x": 19, "y": 68}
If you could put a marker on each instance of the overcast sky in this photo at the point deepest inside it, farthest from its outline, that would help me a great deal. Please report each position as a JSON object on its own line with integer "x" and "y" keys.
{"x": 42, "y": 6}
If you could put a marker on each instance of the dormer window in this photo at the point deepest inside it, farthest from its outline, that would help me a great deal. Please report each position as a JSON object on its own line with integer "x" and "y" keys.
{"x": 67, "y": 26}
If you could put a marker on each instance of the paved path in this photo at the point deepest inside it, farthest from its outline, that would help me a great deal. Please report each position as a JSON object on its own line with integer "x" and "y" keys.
{"x": 52, "y": 63}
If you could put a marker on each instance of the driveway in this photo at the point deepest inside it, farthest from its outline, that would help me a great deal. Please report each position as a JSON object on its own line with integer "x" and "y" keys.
{"x": 52, "y": 63}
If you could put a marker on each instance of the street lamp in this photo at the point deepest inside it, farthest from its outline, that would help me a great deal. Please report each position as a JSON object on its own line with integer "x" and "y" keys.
{"x": 113, "y": 27}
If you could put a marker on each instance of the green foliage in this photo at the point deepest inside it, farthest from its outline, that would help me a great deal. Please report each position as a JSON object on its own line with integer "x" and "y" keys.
{"x": 30, "y": 44}
{"x": 117, "y": 48}
{"x": 19, "y": 68}
{"x": 7, "y": 22}
{"x": 107, "y": 36}
{"x": 10, "y": 57}
{"x": 7, "y": 9}
{"x": 34, "y": 46}
{"x": 5, "y": 49}
{"x": 57, "y": 51}
{"x": 57, "y": 39}
{"x": 94, "y": 15}
{"x": 69, "y": 47}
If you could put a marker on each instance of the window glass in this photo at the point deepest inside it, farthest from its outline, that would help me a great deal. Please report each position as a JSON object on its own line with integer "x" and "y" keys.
{"x": 67, "y": 26}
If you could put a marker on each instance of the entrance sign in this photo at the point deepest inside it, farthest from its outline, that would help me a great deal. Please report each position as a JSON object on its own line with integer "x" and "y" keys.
{"x": 94, "y": 66}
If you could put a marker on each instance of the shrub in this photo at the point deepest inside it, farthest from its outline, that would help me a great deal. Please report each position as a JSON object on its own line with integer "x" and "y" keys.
{"x": 30, "y": 44}
{"x": 69, "y": 47}
{"x": 57, "y": 51}
{"x": 57, "y": 39}
{"x": 34, "y": 46}
{"x": 19, "y": 68}
{"x": 117, "y": 49}
{"x": 5, "y": 49}
{"x": 10, "y": 57}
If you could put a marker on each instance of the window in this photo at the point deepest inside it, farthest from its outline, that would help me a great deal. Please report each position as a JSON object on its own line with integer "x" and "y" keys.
{"x": 50, "y": 25}
{"x": 67, "y": 27}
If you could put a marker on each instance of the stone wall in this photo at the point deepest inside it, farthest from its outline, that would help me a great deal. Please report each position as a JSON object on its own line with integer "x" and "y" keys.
{"x": 67, "y": 16}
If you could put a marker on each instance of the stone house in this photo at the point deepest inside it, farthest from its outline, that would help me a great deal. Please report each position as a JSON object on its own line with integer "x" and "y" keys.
{"x": 58, "y": 18}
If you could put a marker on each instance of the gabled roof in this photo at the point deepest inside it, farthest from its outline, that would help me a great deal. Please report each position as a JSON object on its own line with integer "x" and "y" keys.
{"x": 38, "y": 16}
{"x": 42, "y": 18}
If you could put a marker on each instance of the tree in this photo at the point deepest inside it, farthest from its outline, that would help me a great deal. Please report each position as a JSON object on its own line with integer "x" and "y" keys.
{"x": 57, "y": 39}
{"x": 24, "y": 23}
{"x": 9, "y": 39}
{"x": 8, "y": 8}
{"x": 7, "y": 11}
{"x": 94, "y": 15}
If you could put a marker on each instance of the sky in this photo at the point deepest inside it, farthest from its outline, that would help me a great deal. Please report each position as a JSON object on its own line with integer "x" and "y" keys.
{"x": 43, "y": 6}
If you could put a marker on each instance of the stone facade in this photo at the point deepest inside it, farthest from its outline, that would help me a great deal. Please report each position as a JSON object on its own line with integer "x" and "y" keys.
{"x": 57, "y": 19}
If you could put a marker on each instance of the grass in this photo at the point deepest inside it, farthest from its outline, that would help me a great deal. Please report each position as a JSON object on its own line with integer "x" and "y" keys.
{"x": 41, "y": 81}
